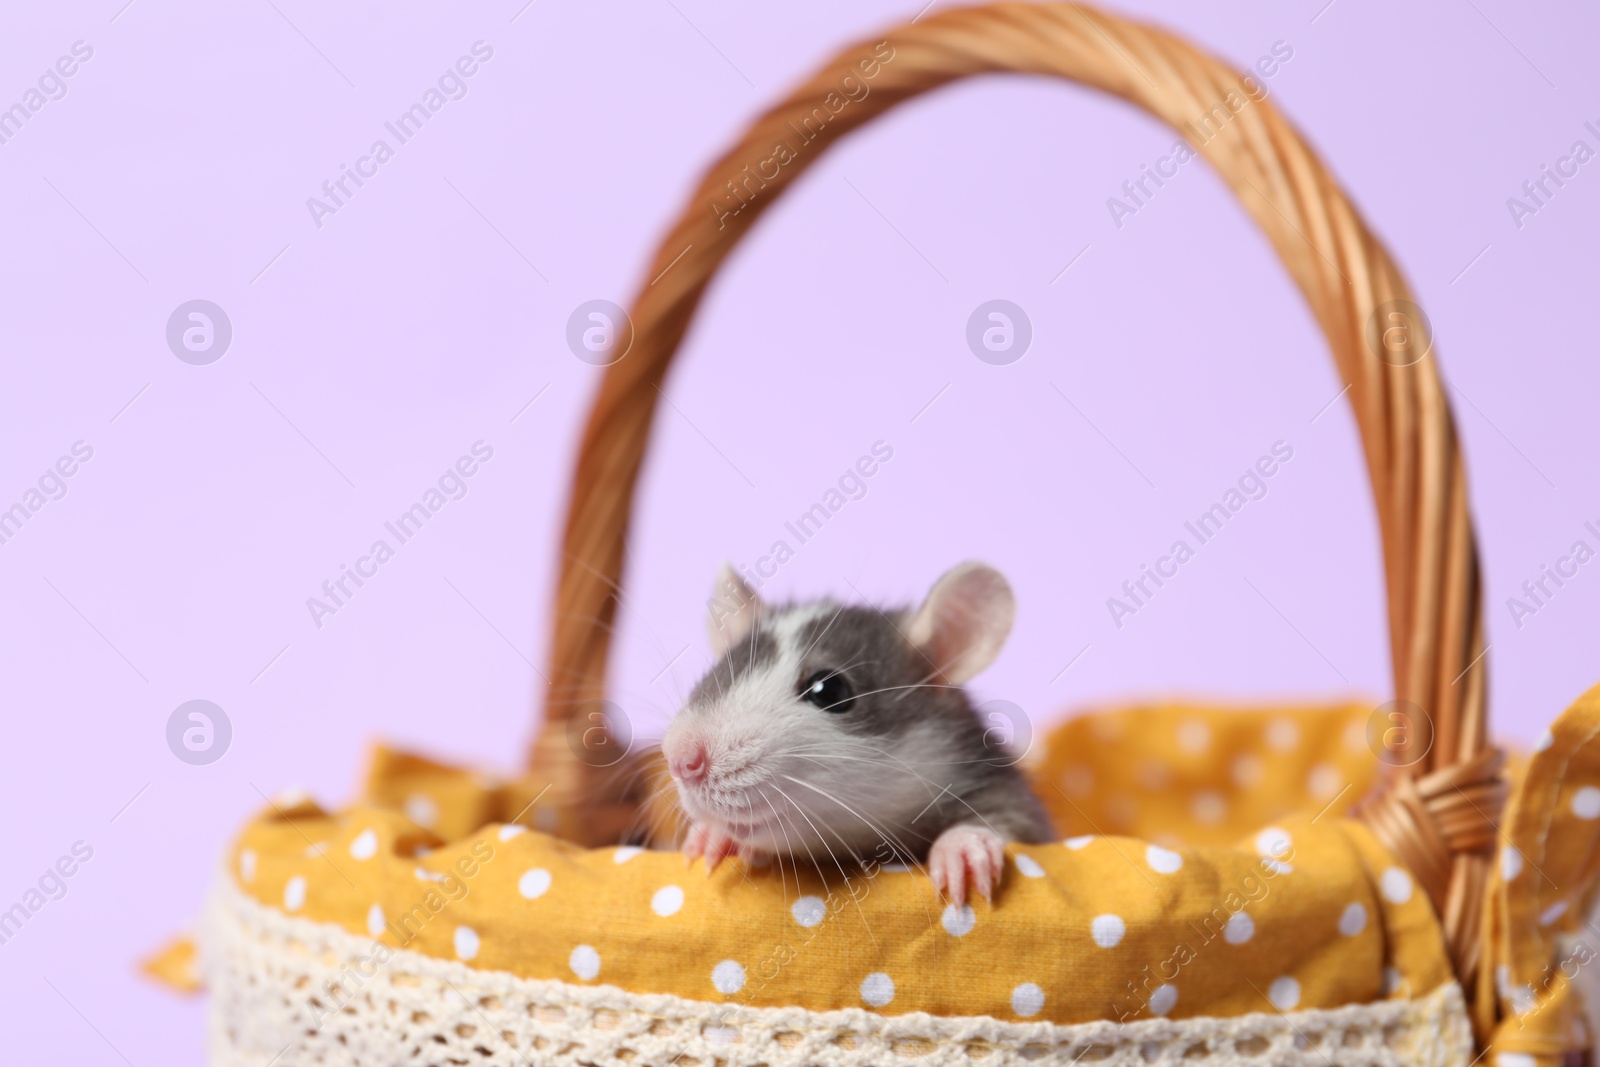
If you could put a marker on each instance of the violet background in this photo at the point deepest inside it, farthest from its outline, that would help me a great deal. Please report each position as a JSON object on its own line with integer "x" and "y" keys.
{"x": 407, "y": 328}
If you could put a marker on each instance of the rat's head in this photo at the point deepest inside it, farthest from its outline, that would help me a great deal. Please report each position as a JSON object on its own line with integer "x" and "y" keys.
{"x": 822, "y": 724}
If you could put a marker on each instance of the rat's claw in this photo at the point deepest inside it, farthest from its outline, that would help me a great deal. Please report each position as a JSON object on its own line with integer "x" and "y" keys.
{"x": 962, "y": 851}
{"x": 719, "y": 846}
{"x": 997, "y": 855}
{"x": 694, "y": 844}
{"x": 710, "y": 841}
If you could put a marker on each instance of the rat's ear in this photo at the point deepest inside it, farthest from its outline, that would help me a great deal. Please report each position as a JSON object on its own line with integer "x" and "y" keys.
{"x": 963, "y": 623}
{"x": 734, "y": 608}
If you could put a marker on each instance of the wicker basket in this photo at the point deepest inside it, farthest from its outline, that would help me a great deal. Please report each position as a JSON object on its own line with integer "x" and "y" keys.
{"x": 1439, "y": 817}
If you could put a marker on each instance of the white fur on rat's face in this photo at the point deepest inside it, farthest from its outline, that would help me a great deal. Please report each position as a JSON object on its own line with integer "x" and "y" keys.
{"x": 786, "y": 776}
{"x": 782, "y": 774}
{"x": 755, "y": 733}
{"x": 817, "y": 775}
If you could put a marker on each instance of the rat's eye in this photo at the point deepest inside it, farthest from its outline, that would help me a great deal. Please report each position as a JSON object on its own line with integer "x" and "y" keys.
{"x": 828, "y": 690}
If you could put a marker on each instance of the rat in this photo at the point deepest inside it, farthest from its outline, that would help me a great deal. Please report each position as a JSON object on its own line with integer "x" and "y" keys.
{"x": 828, "y": 730}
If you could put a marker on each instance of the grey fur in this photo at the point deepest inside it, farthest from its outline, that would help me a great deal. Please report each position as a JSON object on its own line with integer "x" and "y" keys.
{"x": 922, "y": 758}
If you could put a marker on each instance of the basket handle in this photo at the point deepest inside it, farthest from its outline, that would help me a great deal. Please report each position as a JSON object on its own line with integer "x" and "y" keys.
{"x": 1435, "y": 633}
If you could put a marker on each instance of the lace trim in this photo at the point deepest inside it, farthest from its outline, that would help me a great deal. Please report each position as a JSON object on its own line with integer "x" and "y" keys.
{"x": 291, "y": 992}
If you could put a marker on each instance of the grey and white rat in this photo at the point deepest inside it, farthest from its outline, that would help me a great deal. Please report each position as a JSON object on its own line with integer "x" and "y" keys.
{"x": 826, "y": 731}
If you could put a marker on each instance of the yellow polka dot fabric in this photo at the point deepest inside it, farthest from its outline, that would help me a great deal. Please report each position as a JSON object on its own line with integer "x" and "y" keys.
{"x": 1306, "y": 912}
{"x": 1543, "y": 942}
{"x": 1203, "y": 775}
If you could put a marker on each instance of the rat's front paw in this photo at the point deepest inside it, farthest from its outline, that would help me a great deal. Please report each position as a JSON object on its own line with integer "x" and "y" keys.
{"x": 716, "y": 844}
{"x": 962, "y": 851}
{"x": 711, "y": 841}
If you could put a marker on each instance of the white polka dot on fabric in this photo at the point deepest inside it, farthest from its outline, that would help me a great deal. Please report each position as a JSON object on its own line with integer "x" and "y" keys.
{"x": 1274, "y": 841}
{"x": 292, "y": 797}
{"x": 533, "y": 883}
{"x": 247, "y": 865}
{"x": 1121, "y": 810}
{"x": 1502, "y": 981}
{"x": 1162, "y": 860}
{"x": 1514, "y": 1059}
{"x": 1208, "y": 808}
{"x": 429, "y": 876}
{"x": 1283, "y": 735}
{"x": 1163, "y": 999}
{"x": 1546, "y": 739}
{"x": 1353, "y": 921}
{"x": 1077, "y": 780}
{"x": 365, "y": 845}
{"x": 1586, "y": 803}
{"x": 1029, "y": 866}
{"x": 1108, "y": 930}
{"x": 1155, "y": 775}
{"x": 510, "y": 830}
{"x": 294, "y": 894}
{"x": 958, "y": 922}
{"x": 625, "y": 853}
{"x": 1355, "y": 735}
{"x": 466, "y": 942}
{"x": 1106, "y": 727}
{"x": 1510, "y": 863}
{"x": 1027, "y": 999}
{"x": 1324, "y": 781}
{"x": 1194, "y": 735}
{"x": 1240, "y": 928}
{"x": 1396, "y": 885}
{"x": 1284, "y": 993}
{"x": 1076, "y": 843}
{"x": 728, "y": 977}
{"x": 809, "y": 911}
{"x": 1553, "y": 913}
{"x": 1392, "y": 981}
{"x": 1523, "y": 1000}
{"x": 877, "y": 989}
{"x": 1276, "y": 866}
{"x": 421, "y": 809}
{"x": 1246, "y": 771}
{"x": 376, "y": 923}
{"x": 585, "y": 962}
{"x": 668, "y": 900}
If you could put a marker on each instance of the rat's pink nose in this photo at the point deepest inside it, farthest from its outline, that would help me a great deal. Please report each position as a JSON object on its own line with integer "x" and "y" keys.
{"x": 690, "y": 763}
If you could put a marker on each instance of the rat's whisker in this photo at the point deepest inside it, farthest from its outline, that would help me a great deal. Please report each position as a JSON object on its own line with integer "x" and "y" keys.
{"x": 914, "y": 685}
{"x": 990, "y": 762}
{"x": 824, "y": 842}
{"x": 824, "y": 632}
{"x": 621, "y": 596}
{"x": 823, "y": 757}
{"x": 853, "y": 664}
{"x": 888, "y": 838}
{"x": 933, "y": 672}
{"x": 778, "y": 820}
{"x": 821, "y": 872}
